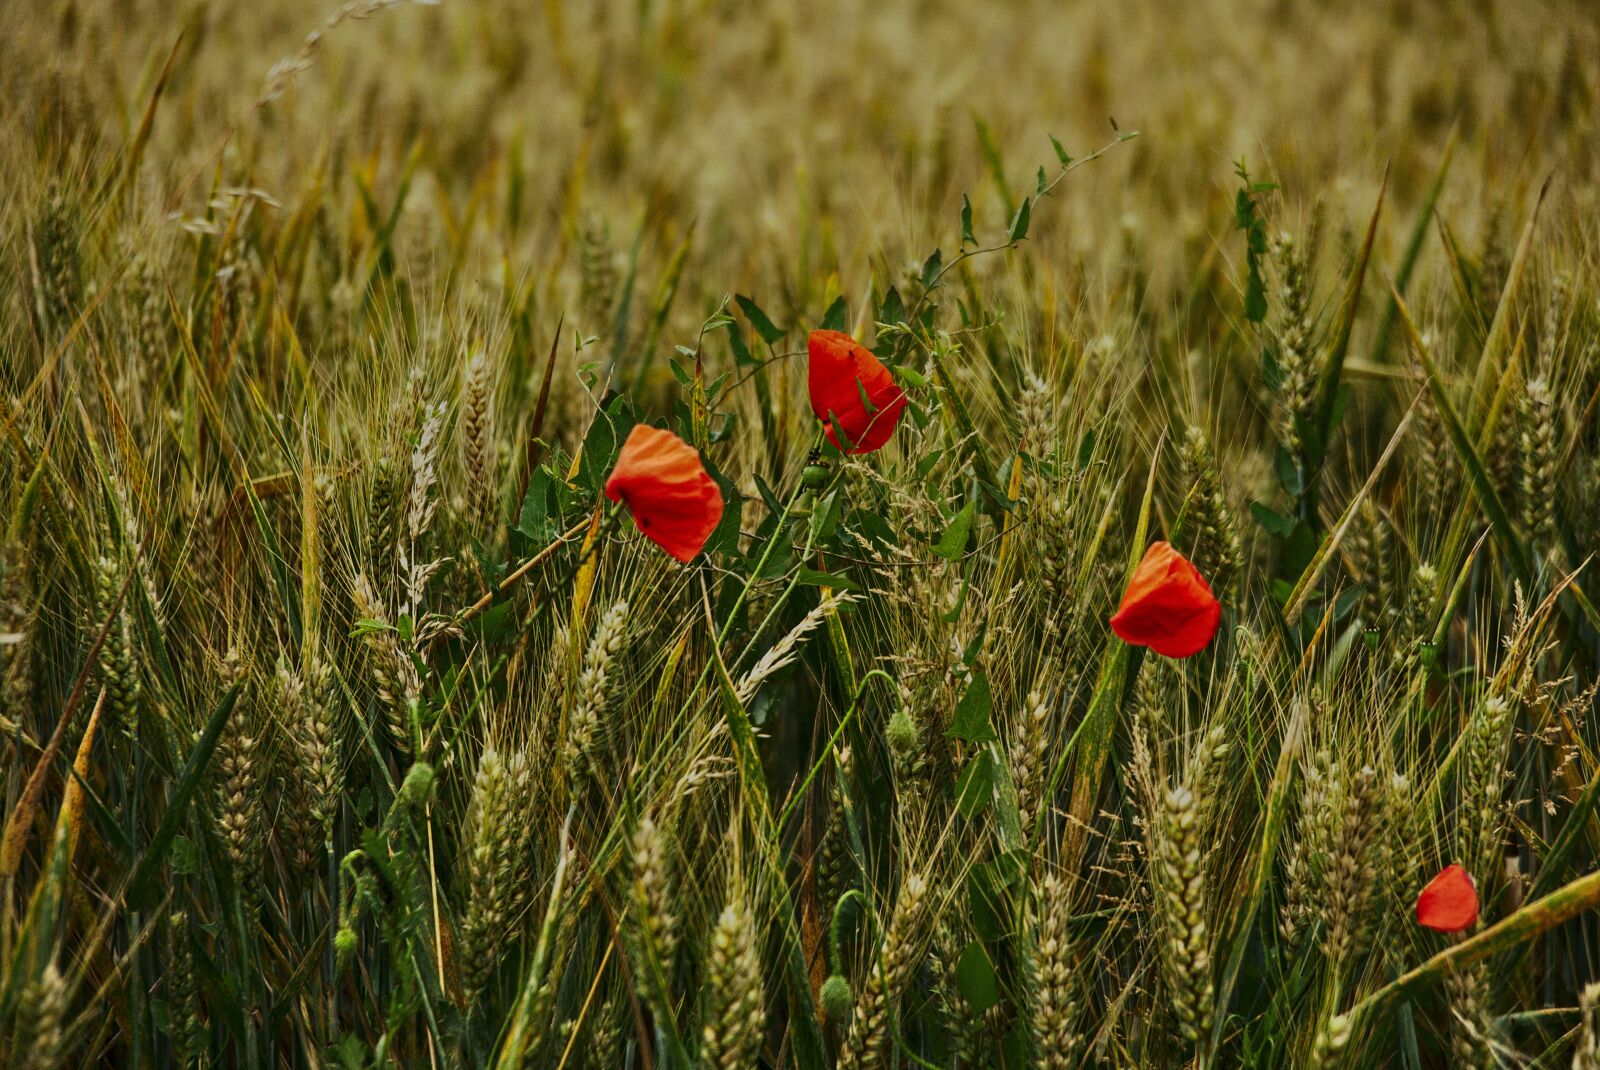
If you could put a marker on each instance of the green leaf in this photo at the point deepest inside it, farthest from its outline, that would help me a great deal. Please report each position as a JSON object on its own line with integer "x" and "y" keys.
{"x": 741, "y": 351}
{"x": 1086, "y": 449}
{"x": 1271, "y": 371}
{"x": 495, "y": 623}
{"x": 1342, "y": 400}
{"x": 966, "y": 223}
{"x": 369, "y": 626}
{"x": 976, "y": 980}
{"x": 825, "y": 516}
{"x": 987, "y": 902}
{"x": 534, "y": 520}
{"x": 811, "y": 577}
{"x": 1248, "y": 219}
{"x": 1298, "y": 549}
{"x": 769, "y": 497}
{"x": 909, "y": 376}
{"x": 725, "y": 536}
{"x": 1276, "y": 524}
{"x": 607, "y": 431}
{"x": 930, "y": 268}
{"x": 975, "y": 786}
{"x": 1015, "y": 1047}
{"x": 1288, "y": 473}
{"x": 873, "y": 526}
{"x": 1062, "y": 156}
{"x": 971, "y": 720}
{"x": 185, "y": 858}
{"x": 893, "y": 308}
{"x": 764, "y": 326}
{"x": 837, "y": 318}
{"x": 1019, "y": 222}
{"x": 954, "y": 613}
{"x": 1040, "y": 183}
{"x": 953, "y": 543}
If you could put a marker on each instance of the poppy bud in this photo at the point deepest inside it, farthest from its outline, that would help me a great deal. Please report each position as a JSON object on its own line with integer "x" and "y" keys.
{"x": 901, "y": 734}
{"x": 836, "y": 999}
{"x": 344, "y": 943}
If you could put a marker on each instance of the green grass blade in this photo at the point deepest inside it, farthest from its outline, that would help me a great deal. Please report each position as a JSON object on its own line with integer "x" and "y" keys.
{"x": 143, "y": 889}
{"x": 1094, "y": 744}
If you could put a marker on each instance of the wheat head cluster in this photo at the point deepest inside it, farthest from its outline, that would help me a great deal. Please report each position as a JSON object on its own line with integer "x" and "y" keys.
{"x": 885, "y": 535}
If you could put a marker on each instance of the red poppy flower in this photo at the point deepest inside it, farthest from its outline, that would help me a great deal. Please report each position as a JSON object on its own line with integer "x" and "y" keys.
{"x": 1450, "y": 901}
{"x": 852, "y": 393}
{"x": 1168, "y": 606}
{"x": 660, "y": 478}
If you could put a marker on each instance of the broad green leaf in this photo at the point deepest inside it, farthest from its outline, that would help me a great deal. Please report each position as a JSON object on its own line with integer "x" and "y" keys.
{"x": 811, "y": 577}
{"x": 1278, "y": 526}
{"x": 825, "y": 516}
{"x": 953, "y": 543}
{"x": 725, "y": 536}
{"x": 975, "y": 786}
{"x": 606, "y": 434}
{"x": 741, "y": 352}
{"x": 837, "y": 318}
{"x": 971, "y": 720}
{"x": 534, "y": 520}
{"x": 1019, "y": 222}
{"x": 1086, "y": 449}
{"x": 893, "y": 308}
{"x": 1062, "y": 156}
{"x": 976, "y": 980}
{"x": 769, "y": 331}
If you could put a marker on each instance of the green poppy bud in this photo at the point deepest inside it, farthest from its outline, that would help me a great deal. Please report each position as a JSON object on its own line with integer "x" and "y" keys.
{"x": 814, "y": 476}
{"x": 836, "y": 999}
{"x": 344, "y": 943}
{"x": 902, "y": 733}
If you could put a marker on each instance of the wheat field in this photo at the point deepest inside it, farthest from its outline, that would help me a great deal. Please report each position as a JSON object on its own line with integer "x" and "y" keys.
{"x": 449, "y": 618}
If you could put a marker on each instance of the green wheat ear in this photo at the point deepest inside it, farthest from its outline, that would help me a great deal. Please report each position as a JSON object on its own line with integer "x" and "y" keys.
{"x": 735, "y": 1013}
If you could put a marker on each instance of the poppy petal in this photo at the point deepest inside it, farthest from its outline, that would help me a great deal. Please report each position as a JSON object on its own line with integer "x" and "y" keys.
{"x": 1168, "y": 606}
{"x": 852, "y": 393}
{"x": 1449, "y": 903}
{"x": 673, "y": 500}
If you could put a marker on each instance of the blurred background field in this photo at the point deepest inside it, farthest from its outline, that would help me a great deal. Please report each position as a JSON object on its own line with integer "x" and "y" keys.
{"x": 803, "y": 144}
{"x": 307, "y": 343}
